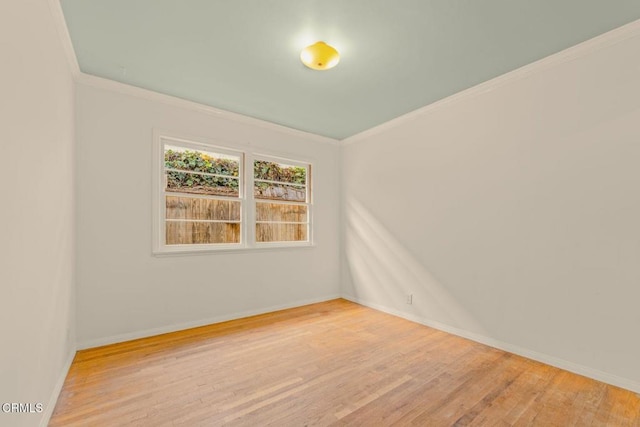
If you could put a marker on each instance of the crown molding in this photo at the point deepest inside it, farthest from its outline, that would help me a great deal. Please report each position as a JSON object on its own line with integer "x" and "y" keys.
{"x": 114, "y": 86}
{"x": 125, "y": 89}
{"x": 63, "y": 33}
{"x": 602, "y": 41}
{"x": 607, "y": 39}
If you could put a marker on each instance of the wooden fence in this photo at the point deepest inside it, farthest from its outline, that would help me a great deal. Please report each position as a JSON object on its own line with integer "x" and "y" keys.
{"x": 187, "y": 221}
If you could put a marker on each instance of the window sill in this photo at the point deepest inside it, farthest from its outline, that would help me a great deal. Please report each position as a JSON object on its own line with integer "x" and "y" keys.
{"x": 244, "y": 249}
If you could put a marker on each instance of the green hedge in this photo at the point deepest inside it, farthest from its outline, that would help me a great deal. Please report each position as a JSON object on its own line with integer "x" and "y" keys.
{"x": 199, "y": 162}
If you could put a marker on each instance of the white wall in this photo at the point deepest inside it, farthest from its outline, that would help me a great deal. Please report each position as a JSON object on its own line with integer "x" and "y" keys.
{"x": 511, "y": 215}
{"x": 37, "y": 214}
{"x": 124, "y": 291}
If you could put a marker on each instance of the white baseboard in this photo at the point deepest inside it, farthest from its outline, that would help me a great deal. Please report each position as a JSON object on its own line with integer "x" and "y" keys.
{"x": 48, "y": 410}
{"x": 520, "y": 351}
{"x": 202, "y": 322}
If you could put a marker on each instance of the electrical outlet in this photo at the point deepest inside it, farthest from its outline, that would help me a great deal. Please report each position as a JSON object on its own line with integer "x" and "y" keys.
{"x": 409, "y": 299}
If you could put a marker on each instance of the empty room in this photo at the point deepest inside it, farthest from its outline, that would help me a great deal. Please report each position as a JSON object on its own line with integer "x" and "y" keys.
{"x": 318, "y": 213}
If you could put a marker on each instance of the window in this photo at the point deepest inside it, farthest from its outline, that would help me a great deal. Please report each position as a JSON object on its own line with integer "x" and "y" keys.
{"x": 201, "y": 193}
{"x": 201, "y": 202}
{"x": 281, "y": 193}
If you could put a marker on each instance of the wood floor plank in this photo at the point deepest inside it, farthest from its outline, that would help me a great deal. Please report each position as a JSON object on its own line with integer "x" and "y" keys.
{"x": 330, "y": 364}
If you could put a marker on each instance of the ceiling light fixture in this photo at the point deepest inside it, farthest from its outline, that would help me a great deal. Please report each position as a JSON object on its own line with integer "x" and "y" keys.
{"x": 319, "y": 56}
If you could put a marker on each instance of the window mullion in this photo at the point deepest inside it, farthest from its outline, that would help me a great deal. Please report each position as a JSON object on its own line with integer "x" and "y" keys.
{"x": 309, "y": 183}
{"x": 281, "y": 202}
{"x": 199, "y": 196}
{"x": 250, "y": 214}
{"x": 282, "y": 222}
{"x": 292, "y": 184}
{"x": 220, "y": 221}
{"x": 215, "y": 175}
{"x": 159, "y": 224}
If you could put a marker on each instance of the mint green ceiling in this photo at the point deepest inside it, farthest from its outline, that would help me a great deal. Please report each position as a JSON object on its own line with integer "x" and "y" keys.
{"x": 397, "y": 55}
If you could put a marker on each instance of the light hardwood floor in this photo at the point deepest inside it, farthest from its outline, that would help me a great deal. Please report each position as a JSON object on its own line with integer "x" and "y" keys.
{"x": 333, "y": 363}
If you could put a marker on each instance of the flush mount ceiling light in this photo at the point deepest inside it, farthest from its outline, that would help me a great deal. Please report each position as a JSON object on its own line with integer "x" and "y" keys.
{"x": 319, "y": 56}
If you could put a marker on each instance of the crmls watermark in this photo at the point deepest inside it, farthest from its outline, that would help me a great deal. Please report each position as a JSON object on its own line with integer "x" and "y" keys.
{"x": 22, "y": 408}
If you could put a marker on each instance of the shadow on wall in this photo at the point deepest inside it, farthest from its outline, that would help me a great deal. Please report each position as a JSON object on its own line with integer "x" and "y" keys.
{"x": 383, "y": 273}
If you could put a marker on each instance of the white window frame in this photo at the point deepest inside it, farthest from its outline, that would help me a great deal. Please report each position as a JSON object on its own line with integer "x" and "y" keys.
{"x": 308, "y": 201}
{"x": 159, "y": 217}
{"x": 246, "y": 197}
